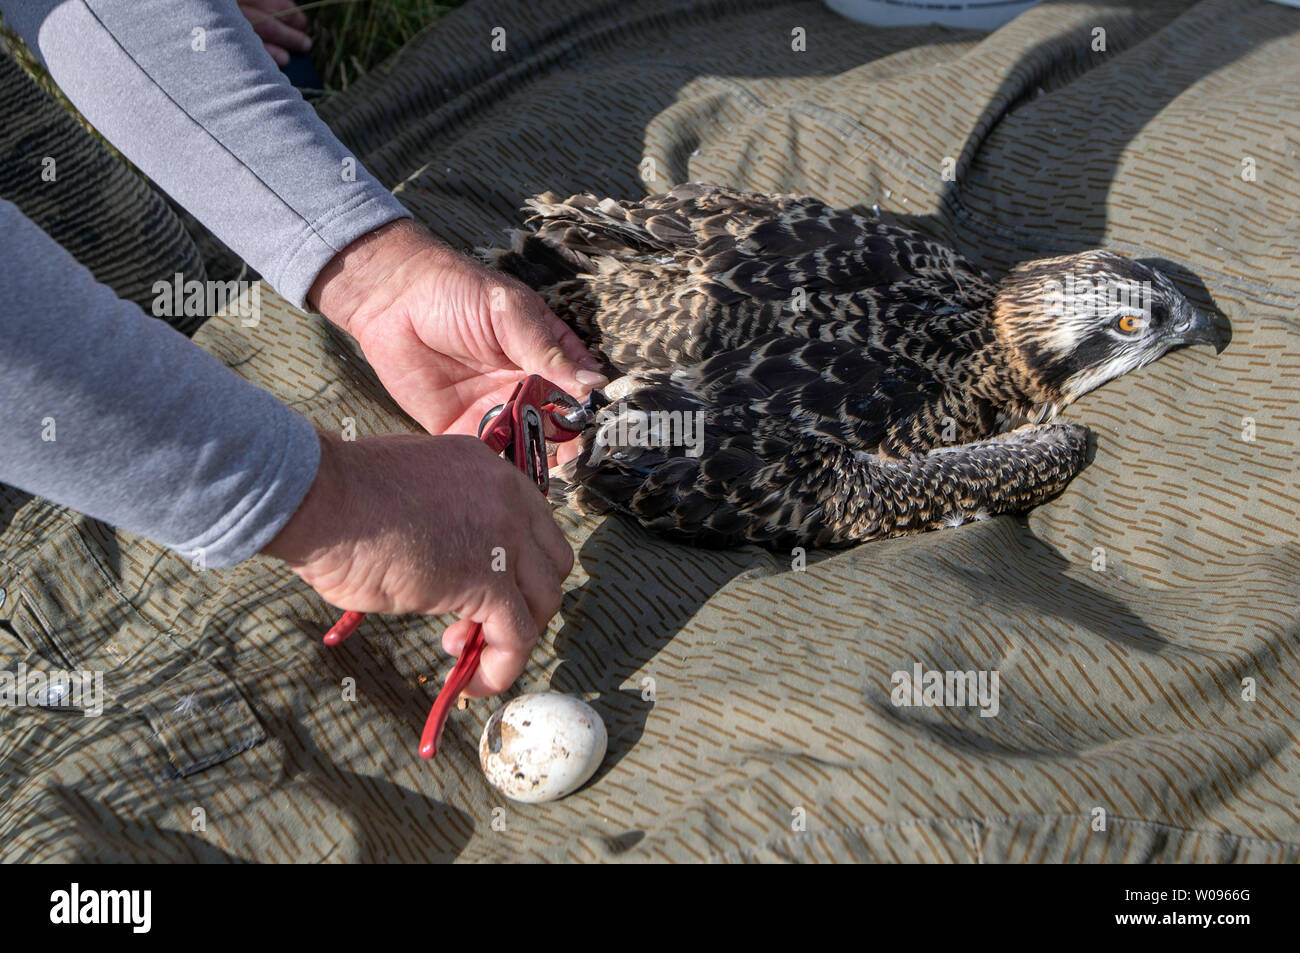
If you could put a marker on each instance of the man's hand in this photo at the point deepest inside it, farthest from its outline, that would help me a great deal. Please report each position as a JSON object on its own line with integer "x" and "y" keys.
{"x": 448, "y": 337}
{"x": 412, "y": 523}
{"x": 280, "y": 25}
{"x": 409, "y": 523}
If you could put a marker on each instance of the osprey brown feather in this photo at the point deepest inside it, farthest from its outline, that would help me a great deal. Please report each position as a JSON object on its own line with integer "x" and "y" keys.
{"x": 848, "y": 378}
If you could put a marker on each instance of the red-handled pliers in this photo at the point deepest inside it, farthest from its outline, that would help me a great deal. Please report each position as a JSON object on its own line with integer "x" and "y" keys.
{"x": 536, "y": 412}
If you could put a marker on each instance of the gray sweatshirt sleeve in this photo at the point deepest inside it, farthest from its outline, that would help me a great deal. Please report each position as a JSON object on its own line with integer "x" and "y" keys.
{"x": 185, "y": 90}
{"x": 115, "y": 414}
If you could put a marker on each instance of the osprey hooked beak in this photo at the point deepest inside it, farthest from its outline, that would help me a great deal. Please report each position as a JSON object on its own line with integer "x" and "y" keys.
{"x": 1194, "y": 326}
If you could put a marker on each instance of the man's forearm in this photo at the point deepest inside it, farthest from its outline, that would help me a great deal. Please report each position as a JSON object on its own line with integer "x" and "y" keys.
{"x": 186, "y": 91}
{"x": 115, "y": 414}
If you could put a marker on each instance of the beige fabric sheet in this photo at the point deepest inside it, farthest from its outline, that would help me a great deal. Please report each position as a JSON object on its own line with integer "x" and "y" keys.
{"x": 748, "y": 700}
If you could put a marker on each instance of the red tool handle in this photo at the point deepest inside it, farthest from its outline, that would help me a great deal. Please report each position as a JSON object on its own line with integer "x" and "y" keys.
{"x": 344, "y": 627}
{"x": 460, "y": 676}
{"x": 456, "y": 682}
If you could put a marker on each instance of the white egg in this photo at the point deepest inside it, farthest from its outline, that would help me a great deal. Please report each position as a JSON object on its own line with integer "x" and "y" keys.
{"x": 542, "y": 747}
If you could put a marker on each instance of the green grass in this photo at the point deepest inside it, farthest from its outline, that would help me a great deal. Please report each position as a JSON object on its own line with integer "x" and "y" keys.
{"x": 349, "y": 38}
{"x": 352, "y": 37}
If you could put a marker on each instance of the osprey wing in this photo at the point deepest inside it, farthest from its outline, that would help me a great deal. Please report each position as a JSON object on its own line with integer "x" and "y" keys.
{"x": 783, "y": 487}
{"x": 676, "y": 278}
{"x": 733, "y": 449}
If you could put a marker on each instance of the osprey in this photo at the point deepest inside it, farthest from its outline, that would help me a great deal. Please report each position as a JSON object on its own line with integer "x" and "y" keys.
{"x": 792, "y": 374}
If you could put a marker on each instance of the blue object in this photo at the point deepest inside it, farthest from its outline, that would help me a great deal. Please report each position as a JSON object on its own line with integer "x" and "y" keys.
{"x": 301, "y": 72}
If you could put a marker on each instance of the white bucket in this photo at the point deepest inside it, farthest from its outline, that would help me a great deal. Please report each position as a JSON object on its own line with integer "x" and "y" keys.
{"x": 968, "y": 14}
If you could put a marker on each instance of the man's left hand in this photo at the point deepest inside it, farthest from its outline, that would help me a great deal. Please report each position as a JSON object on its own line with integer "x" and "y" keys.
{"x": 448, "y": 337}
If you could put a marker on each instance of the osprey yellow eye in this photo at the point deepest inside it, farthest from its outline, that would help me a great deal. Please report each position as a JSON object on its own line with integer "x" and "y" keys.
{"x": 1129, "y": 323}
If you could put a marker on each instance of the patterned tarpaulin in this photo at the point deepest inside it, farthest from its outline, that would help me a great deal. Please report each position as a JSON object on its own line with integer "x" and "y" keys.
{"x": 1143, "y": 625}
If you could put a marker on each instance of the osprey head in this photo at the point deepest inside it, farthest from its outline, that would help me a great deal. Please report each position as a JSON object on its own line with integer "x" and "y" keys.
{"x": 1073, "y": 323}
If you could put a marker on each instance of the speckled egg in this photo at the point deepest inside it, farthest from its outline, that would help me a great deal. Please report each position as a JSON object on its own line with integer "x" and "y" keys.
{"x": 542, "y": 747}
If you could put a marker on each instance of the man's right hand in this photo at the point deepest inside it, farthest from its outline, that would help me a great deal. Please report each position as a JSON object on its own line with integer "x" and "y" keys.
{"x": 432, "y": 524}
